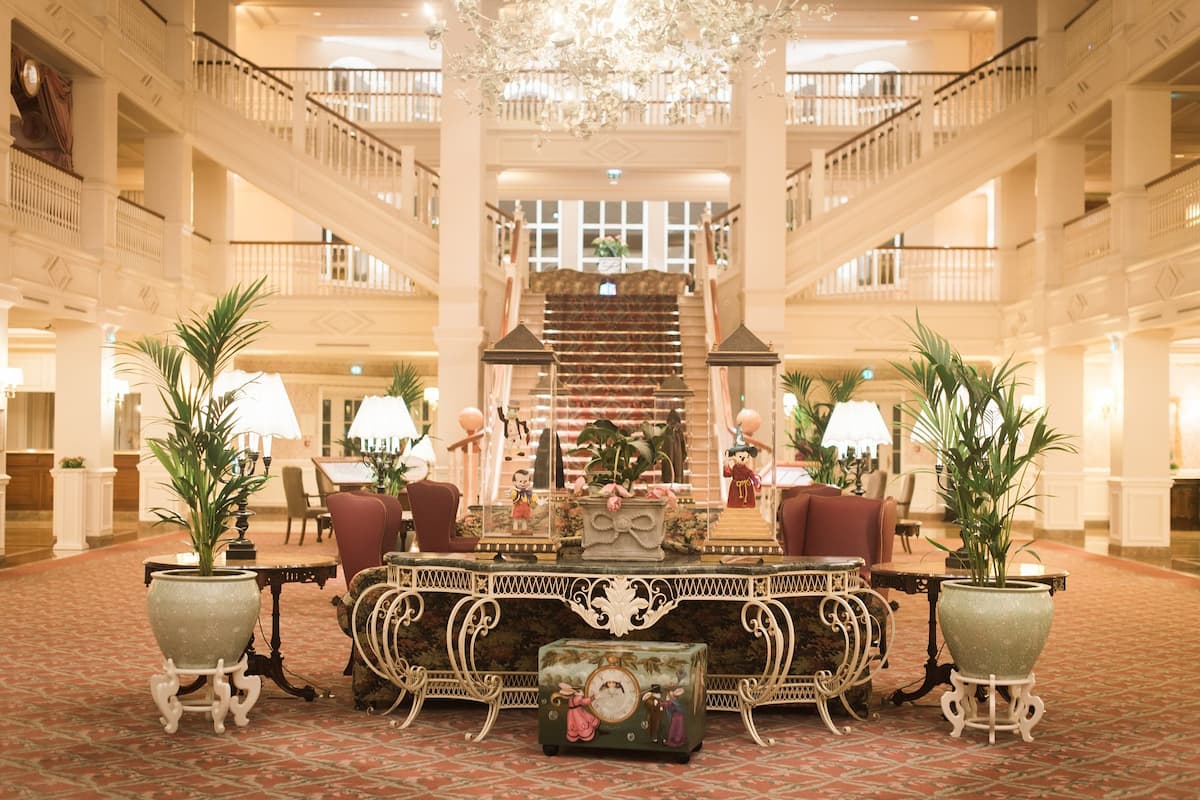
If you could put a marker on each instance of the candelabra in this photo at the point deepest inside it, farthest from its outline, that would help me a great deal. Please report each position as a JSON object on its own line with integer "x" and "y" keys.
{"x": 856, "y": 427}
{"x": 384, "y": 427}
{"x": 854, "y": 465}
{"x": 960, "y": 558}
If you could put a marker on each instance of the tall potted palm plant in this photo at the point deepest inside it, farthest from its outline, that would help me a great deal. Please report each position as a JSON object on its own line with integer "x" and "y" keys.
{"x": 205, "y": 613}
{"x": 810, "y": 417}
{"x": 990, "y": 448}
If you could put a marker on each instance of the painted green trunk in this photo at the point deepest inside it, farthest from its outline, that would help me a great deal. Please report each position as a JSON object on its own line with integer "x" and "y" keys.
{"x": 993, "y": 631}
{"x": 622, "y": 696}
{"x": 199, "y": 620}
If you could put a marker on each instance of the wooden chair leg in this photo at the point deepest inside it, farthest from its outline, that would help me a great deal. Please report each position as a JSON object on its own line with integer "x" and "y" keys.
{"x": 303, "y": 526}
{"x": 287, "y": 534}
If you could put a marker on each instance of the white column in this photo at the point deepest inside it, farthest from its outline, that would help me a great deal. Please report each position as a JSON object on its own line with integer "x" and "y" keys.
{"x": 764, "y": 216}
{"x": 151, "y": 474}
{"x": 95, "y": 157}
{"x": 4, "y": 477}
{"x": 83, "y": 426}
{"x": 1140, "y": 486}
{"x": 180, "y": 18}
{"x": 1141, "y": 152}
{"x": 1015, "y": 203}
{"x": 459, "y": 333}
{"x": 168, "y": 183}
{"x": 1061, "y": 509}
{"x": 1059, "y": 199}
{"x": 214, "y": 210}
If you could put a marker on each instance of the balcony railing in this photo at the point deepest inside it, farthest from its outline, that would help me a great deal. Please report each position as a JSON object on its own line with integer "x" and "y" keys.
{"x": 1089, "y": 29}
{"x": 139, "y": 238}
{"x": 1174, "y": 207}
{"x": 855, "y": 99}
{"x": 144, "y": 30}
{"x": 45, "y": 198}
{"x": 880, "y": 152}
{"x": 913, "y": 274}
{"x": 372, "y": 96}
{"x": 356, "y": 155}
{"x": 202, "y": 266}
{"x": 317, "y": 269}
{"x": 1086, "y": 239}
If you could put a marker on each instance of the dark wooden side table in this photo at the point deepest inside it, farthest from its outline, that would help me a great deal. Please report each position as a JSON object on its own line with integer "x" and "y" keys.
{"x": 274, "y": 570}
{"x": 927, "y": 578}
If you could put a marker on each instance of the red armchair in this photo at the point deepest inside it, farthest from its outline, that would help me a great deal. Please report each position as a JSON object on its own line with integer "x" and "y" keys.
{"x": 434, "y": 511}
{"x": 361, "y": 521}
{"x": 815, "y": 525}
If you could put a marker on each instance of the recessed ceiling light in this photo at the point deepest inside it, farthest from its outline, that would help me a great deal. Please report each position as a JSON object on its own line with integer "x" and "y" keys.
{"x": 316, "y": 13}
{"x": 914, "y": 18}
{"x": 404, "y": 13}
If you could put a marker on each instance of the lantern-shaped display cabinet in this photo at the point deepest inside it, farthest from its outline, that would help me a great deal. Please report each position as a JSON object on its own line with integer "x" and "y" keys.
{"x": 744, "y": 374}
{"x": 670, "y": 410}
{"x": 521, "y": 467}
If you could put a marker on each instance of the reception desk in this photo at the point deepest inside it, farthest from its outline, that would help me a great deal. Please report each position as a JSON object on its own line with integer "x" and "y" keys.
{"x": 463, "y": 602}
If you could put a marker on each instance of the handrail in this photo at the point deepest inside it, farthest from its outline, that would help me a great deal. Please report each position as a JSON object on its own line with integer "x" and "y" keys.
{"x": 719, "y": 218}
{"x": 1102, "y": 207}
{"x": 1160, "y": 178}
{"x": 348, "y": 69}
{"x": 1077, "y": 17}
{"x": 247, "y": 61}
{"x": 141, "y": 207}
{"x": 993, "y": 59}
{"x": 200, "y": 235}
{"x": 846, "y": 144}
{"x": 154, "y": 11}
{"x": 466, "y": 440}
{"x": 48, "y": 162}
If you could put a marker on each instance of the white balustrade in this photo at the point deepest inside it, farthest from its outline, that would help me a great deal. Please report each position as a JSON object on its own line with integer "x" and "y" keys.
{"x": 921, "y": 274}
{"x": 331, "y": 140}
{"x": 139, "y": 238}
{"x": 1174, "y": 207}
{"x": 855, "y": 99}
{"x": 1086, "y": 239}
{"x": 144, "y": 30}
{"x": 883, "y": 150}
{"x": 1088, "y": 30}
{"x": 305, "y": 269}
{"x": 202, "y": 266}
{"x": 372, "y": 96}
{"x": 45, "y": 198}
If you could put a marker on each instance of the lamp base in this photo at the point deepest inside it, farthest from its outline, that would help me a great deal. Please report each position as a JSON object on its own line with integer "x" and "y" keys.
{"x": 241, "y": 550}
{"x": 958, "y": 559}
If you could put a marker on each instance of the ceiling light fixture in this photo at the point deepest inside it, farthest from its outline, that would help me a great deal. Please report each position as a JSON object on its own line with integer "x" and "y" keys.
{"x": 615, "y": 56}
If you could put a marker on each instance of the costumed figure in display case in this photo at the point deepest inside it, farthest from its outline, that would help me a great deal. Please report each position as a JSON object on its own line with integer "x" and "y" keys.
{"x": 739, "y": 465}
{"x": 516, "y": 433}
{"x": 523, "y": 500}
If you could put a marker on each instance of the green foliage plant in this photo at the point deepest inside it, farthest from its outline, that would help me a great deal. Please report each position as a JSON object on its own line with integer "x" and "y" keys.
{"x": 815, "y": 398}
{"x": 619, "y": 455}
{"x": 197, "y": 450}
{"x": 71, "y": 462}
{"x": 989, "y": 446}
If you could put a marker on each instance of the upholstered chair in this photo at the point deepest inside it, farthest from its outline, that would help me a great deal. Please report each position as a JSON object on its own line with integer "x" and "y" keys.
{"x": 434, "y": 511}
{"x": 299, "y": 503}
{"x": 813, "y": 525}
{"x": 393, "y": 528}
{"x": 904, "y": 494}
{"x": 361, "y": 520}
{"x": 875, "y": 484}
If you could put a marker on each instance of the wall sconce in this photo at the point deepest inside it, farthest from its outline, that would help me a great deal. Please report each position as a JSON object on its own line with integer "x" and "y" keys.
{"x": 10, "y": 379}
{"x": 790, "y": 401}
{"x": 614, "y": 175}
{"x": 1104, "y": 403}
{"x": 118, "y": 388}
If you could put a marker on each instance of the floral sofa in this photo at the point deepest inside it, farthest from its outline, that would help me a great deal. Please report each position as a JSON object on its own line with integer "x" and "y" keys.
{"x": 526, "y": 625}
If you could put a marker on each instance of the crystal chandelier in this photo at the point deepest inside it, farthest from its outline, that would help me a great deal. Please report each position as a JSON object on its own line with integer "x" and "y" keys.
{"x": 607, "y": 59}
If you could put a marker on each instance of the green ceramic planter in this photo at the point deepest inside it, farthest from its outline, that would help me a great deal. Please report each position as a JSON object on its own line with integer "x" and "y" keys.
{"x": 993, "y": 631}
{"x": 198, "y": 620}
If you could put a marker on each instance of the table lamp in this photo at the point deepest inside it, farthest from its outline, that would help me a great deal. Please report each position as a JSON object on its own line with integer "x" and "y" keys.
{"x": 856, "y": 429}
{"x": 384, "y": 428}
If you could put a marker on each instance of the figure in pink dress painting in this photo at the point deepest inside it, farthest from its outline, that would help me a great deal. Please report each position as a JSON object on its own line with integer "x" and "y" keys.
{"x": 739, "y": 465}
{"x": 676, "y": 722}
{"x": 581, "y": 722}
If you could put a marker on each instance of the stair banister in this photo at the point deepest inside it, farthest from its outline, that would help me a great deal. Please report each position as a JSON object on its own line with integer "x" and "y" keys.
{"x": 464, "y": 466}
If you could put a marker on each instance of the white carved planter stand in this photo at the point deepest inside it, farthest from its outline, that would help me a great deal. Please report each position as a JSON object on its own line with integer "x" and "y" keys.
{"x": 218, "y": 698}
{"x": 1019, "y": 714}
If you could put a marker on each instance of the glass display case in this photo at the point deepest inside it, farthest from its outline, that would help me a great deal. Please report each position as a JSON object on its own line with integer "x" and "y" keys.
{"x": 742, "y": 414}
{"x": 522, "y": 461}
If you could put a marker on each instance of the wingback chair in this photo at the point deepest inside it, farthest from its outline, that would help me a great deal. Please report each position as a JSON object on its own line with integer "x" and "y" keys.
{"x": 434, "y": 510}
{"x": 393, "y": 527}
{"x": 846, "y": 525}
{"x": 361, "y": 521}
{"x": 299, "y": 504}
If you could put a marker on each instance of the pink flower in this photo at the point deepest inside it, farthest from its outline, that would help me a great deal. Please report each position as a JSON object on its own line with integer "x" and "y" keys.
{"x": 663, "y": 492}
{"x": 614, "y": 503}
{"x": 579, "y": 486}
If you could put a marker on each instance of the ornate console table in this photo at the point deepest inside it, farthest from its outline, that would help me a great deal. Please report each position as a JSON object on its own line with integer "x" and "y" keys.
{"x": 620, "y": 599}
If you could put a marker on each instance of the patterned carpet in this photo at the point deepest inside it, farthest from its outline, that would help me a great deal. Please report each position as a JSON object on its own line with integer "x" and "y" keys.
{"x": 1118, "y": 678}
